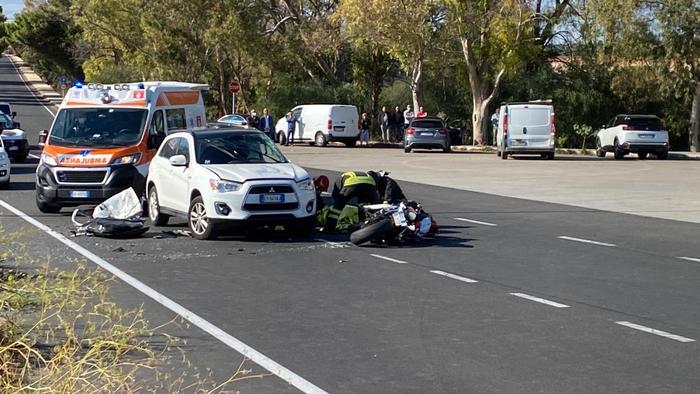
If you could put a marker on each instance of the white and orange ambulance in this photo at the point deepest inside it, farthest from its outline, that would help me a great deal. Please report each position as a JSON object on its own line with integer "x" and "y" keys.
{"x": 104, "y": 136}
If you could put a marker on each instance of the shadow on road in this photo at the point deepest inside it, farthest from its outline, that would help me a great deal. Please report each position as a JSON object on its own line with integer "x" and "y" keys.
{"x": 20, "y": 186}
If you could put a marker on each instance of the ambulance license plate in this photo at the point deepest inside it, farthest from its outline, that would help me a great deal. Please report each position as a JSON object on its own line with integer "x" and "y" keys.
{"x": 271, "y": 198}
{"x": 80, "y": 194}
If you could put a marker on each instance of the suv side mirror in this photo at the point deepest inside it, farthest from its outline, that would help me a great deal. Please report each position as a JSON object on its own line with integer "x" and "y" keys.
{"x": 178, "y": 161}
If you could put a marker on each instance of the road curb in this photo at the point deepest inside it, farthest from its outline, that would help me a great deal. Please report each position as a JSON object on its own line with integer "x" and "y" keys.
{"x": 42, "y": 90}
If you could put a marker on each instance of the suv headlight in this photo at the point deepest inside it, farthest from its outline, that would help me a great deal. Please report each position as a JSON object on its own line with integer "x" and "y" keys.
{"x": 128, "y": 159}
{"x": 306, "y": 184}
{"x": 48, "y": 160}
{"x": 223, "y": 186}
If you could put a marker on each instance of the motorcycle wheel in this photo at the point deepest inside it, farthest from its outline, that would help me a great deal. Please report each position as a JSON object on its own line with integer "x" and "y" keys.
{"x": 372, "y": 231}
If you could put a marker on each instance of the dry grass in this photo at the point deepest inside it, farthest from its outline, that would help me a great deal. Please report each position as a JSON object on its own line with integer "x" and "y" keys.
{"x": 61, "y": 333}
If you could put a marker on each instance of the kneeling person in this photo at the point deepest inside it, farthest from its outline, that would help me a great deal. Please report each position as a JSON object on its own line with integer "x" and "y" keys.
{"x": 349, "y": 185}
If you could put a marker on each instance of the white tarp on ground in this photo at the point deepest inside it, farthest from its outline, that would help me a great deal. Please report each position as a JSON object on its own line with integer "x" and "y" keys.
{"x": 124, "y": 205}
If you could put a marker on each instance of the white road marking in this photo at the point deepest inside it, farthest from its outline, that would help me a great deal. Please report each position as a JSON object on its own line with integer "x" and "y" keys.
{"x": 453, "y": 276}
{"x": 476, "y": 222}
{"x": 655, "y": 332}
{"x": 587, "y": 241}
{"x": 21, "y": 77}
{"x": 232, "y": 342}
{"x": 540, "y": 300}
{"x": 389, "y": 259}
{"x": 693, "y": 259}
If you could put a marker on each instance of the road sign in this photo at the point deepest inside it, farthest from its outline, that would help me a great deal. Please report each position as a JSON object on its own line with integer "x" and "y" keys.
{"x": 64, "y": 86}
{"x": 62, "y": 80}
{"x": 234, "y": 87}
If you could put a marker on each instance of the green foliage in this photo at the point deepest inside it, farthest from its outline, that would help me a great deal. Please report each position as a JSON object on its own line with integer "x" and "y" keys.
{"x": 585, "y": 132}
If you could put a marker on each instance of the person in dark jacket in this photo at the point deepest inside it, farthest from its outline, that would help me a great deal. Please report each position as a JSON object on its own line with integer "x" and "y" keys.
{"x": 348, "y": 185}
{"x": 398, "y": 124}
{"x": 253, "y": 119}
{"x": 384, "y": 120}
{"x": 389, "y": 190}
{"x": 267, "y": 124}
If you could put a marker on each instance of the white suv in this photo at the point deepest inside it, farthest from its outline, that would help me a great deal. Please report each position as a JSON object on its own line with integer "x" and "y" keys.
{"x": 4, "y": 167}
{"x": 218, "y": 178}
{"x": 640, "y": 134}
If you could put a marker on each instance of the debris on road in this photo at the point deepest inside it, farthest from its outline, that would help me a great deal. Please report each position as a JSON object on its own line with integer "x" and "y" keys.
{"x": 117, "y": 217}
{"x": 173, "y": 234}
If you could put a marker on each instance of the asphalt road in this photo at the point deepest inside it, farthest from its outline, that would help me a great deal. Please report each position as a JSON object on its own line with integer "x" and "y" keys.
{"x": 512, "y": 296}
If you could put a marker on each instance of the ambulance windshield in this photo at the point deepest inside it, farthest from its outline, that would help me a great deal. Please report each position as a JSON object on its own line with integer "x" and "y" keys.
{"x": 98, "y": 127}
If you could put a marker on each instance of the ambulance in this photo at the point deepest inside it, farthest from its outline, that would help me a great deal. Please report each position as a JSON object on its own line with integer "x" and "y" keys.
{"x": 104, "y": 137}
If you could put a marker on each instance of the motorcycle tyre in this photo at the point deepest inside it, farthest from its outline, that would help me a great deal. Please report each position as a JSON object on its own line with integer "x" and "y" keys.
{"x": 373, "y": 231}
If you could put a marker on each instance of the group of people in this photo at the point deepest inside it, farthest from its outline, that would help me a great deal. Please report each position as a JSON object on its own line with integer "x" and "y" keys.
{"x": 264, "y": 123}
{"x": 391, "y": 124}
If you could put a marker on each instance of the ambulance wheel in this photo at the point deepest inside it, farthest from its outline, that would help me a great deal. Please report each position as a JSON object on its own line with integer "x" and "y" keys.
{"x": 157, "y": 218}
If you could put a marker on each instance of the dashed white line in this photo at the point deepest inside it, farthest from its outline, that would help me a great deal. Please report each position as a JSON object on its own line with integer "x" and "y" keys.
{"x": 232, "y": 342}
{"x": 693, "y": 259}
{"x": 540, "y": 300}
{"x": 587, "y": 241}
{"x": 453, "y": 276}
{"x": 476, "y": 222}
{"x": 389, "y": 259}
{"x": 655, "y": 332}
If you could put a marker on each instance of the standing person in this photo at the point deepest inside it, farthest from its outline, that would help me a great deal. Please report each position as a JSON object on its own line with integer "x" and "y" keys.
{"x": 398, "y": 124}
{"x": 494, "y": 122}
{"x": 291, "y": 126}
{"x": 421, "y": 113}
{"x": 253, "y": 119}
{"x": 267, "y": 126}
{"x": 364, "y": 129}
{"x": 408, "y": 116}
{"x": 384, "y": 122}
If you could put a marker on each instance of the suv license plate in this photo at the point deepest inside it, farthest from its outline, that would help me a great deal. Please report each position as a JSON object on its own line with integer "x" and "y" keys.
{"x": 80, "y": 194}
{"x": 271, "y": 198}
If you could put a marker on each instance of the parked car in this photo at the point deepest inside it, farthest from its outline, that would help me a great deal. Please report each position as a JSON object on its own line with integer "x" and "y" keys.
{"x": 6, "y": 109}
{"x": 219, "y": 178}
{"x": 233, "y": 120}
{"x": 426, "y": 133}
{"x": 526, "y": 128}
{"x": 5, "y": 167}
{"x": 640, "y": 134}
{"x": 320, "y": 124}
{"x": 14, "y": 139}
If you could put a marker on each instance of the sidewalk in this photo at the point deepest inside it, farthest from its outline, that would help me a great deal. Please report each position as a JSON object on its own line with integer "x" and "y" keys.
{"x": 40, "y": 88}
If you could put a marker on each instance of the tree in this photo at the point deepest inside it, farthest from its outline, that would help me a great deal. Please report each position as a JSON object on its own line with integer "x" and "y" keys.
{"x": 406, "y": 30}
{"x": 494, "y": 39}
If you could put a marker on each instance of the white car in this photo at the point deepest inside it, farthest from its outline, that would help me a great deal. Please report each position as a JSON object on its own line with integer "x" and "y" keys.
{"x": 320, "y": 124}
{"x": 218, "y": 178}
{"x": 4, "y": 167}
{"x": 640, "y": 134}
{"x": 14, "y": 138}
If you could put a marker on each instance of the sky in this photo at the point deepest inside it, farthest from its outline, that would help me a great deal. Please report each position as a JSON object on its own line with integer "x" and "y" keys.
{"x": 11, "y": 7}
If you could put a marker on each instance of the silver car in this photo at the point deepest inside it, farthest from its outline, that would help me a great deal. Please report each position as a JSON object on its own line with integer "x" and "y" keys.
{"x": 426, "y": 133}
{"x": 233, "y": 119}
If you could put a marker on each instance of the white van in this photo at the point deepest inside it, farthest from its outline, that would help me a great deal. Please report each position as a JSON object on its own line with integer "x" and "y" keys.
{"x": 321, "y": 124}
{"x": 526, "y": 128}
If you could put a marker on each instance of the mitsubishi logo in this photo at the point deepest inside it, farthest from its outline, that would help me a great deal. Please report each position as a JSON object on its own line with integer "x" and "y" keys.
{"x": 272, "y": 190}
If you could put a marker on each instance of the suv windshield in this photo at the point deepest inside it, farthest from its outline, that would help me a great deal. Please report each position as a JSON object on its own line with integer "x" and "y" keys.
{"x": 236, "y": 147}
{"x": 98, "y": 127}
{"x": 427, "y": 124}
{"x": 6, "y": 122}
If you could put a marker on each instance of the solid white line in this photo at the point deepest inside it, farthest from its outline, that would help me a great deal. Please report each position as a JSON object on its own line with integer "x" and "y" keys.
{"x": 655, "y": 332}
{"x": 587, "y": 241}
{"x": 476, "y": 222}
{"x": 232, "y": 342}
{"x": 453, "y": 276}
{"x": 540, "y": 300}
{"x": 389, "y": 259}
{"x": 26, "y": 85}
{"x": 690, "y": 259}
